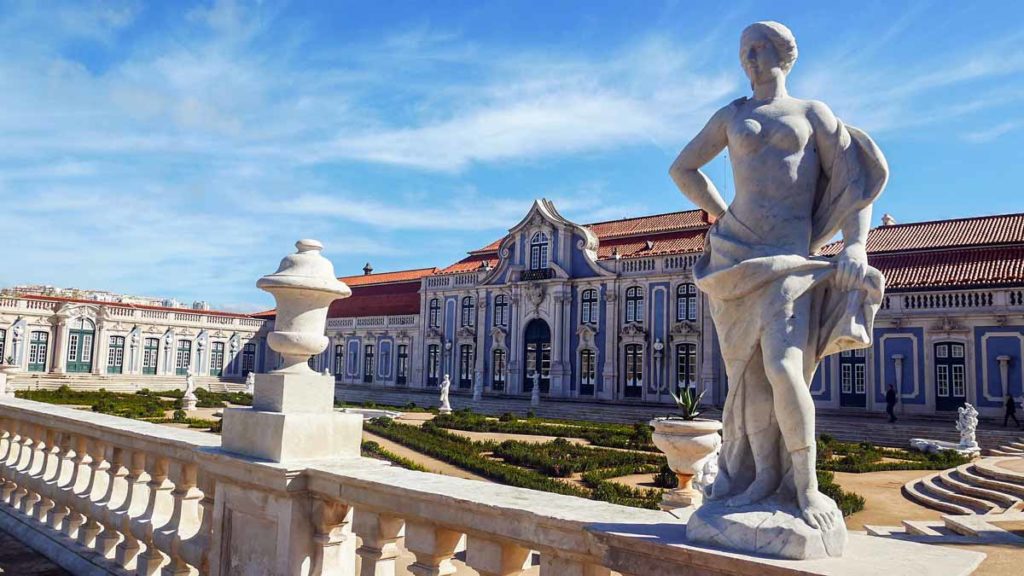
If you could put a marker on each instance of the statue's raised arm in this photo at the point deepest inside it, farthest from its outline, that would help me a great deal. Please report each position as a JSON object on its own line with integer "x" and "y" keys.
{"x": 801, "y": 177}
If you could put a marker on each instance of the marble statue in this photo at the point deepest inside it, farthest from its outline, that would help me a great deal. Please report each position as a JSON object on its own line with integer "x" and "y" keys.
{"x": 967, "y": 425}
{"x": 189, "y": 398}
{"x": 250, "y": 383}
{"x": 801, "y": 177}
{"x": 535, "y": 391}
{"x": 446, "y": 385}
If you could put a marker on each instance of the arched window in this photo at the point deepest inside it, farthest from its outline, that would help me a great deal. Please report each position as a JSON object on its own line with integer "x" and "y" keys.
{"x": 635, "y": 304}
{"x": 589, "y": 307}
{"x": 435, "y": 313}
{"x": 588, "y": 372}
{"x": 468, "y": 311}
{"x": 498, "y": 369}
{"x": 686, "y": 302}
{"x": 501, "y": 310}
{"x": 539, "y": 251}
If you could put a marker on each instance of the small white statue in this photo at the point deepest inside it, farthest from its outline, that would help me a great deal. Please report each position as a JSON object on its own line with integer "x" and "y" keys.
{"x": 446, "y": 384}
{"x": 967, "y": 425}
{"x": 189, "y": 399}
{"x": 250, "y": 383}
{"x": 535, "y": 393}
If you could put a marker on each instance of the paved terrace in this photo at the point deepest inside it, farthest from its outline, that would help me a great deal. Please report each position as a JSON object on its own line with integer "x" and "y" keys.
{"x": 870, "y": 426}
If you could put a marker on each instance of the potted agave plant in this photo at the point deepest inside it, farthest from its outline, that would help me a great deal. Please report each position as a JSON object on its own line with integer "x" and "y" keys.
{"x": 687, "y": 442}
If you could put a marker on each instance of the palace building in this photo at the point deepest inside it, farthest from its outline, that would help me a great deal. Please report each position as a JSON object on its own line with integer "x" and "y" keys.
{"x": 609, "y": 312}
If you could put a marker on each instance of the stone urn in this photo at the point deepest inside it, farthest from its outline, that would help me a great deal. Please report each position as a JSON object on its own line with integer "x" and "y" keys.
{"x": 686, "y": 444}
{"x": 304, "y": 287}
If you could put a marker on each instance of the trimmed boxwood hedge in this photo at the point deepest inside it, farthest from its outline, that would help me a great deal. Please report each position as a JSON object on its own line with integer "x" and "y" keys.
{"x": 860, "y": 457}
{"x": 372, "y": 449}
{"x": 636, "y": 437}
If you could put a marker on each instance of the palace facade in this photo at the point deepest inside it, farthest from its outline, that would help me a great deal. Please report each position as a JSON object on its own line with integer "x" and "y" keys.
{"x": 609, "y": 312}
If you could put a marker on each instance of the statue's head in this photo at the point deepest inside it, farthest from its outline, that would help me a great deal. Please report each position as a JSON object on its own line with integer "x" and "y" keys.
{"x": 767, "y": 48}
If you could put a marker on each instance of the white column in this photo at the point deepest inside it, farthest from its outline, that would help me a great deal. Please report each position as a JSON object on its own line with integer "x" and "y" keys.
{"x": 59, "y": 347}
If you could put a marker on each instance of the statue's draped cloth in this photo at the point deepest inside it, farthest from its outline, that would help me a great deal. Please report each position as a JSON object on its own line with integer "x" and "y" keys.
{"x": 747, "y": 290}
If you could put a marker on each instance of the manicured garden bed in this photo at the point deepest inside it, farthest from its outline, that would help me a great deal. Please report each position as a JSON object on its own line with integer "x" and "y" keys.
{"x": 860, "y": 457}
{"x": 635, "y": 437}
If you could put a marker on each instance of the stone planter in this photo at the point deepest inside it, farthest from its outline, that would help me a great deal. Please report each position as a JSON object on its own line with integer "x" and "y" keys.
{"x": 686, "y": 444}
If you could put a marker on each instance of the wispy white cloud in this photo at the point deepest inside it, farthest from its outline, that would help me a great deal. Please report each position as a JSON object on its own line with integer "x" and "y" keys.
{"x": 994, "y": 132}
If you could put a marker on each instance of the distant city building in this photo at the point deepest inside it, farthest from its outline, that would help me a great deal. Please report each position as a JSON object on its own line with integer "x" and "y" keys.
{"x": 608, "y": 311}
{"x": 96, "y": 296}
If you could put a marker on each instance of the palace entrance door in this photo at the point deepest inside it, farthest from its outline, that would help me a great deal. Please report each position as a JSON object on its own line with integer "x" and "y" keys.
{"x": 537, "y": 339}
{"x": 80, "y": 344}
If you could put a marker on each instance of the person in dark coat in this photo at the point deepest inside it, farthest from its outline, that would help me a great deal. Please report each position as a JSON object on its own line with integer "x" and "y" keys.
{"x": 890, "y": 404}
{"x": 1011, "y": 411}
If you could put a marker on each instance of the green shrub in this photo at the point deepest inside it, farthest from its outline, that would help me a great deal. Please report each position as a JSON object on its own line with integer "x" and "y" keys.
{"x": 636, "y": 437}
{"x": 848, "y": 502}
{"x": 374, "y": 450}
{"x": 179, "y": 416}
{"x": 666, "y": 478}
{"x": 507, "y": 417}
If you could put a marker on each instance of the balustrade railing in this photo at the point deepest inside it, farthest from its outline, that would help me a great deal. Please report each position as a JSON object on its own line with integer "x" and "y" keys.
{"x": 135, "y": 496}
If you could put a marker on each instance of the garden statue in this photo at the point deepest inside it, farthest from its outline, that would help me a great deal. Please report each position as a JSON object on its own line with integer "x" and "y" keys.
{"x": 801, "y": 177}
{"x": 250, "y": 383}
{"x": 967, "y": 425}
{"x": 535, "y": 391}
{"x": 189, "y": 399}
{"x": 446, "y": 385}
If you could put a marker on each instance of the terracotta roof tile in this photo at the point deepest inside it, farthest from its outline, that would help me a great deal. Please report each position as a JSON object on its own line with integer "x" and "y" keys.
{"x": 392, "y": 299}
{"x": 690, "y": 241}
{"x": 645, "y": 225}
{"x": 977, "y": 231}
{"x": 973, "y": 267}
{"x": 413, "y": 275}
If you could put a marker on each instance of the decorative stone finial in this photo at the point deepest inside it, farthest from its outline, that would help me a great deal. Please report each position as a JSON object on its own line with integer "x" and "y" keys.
{"x": 888, "y": 220}
{"x": 304, "y": 287}
{"x": 367, "y": 270}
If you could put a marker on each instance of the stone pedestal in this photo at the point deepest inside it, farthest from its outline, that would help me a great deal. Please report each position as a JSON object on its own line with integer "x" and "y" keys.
{"x": 292, "y": 418}
{"x": 771, "y": 528}
{"x": 189, "y": 402}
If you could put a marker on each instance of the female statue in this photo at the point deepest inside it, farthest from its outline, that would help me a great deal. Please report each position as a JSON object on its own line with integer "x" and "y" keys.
{"x": 801, "y": 177}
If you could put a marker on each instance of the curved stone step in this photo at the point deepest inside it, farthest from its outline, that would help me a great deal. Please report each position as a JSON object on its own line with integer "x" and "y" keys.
{"x": 990, "y": 467}
{"x": 933, "y": 486}
{"x": 913, "y": 493}
{"x": 970, "y": 475}
{"x": 1000, "y": 452}
{"x": 953, "y": 480}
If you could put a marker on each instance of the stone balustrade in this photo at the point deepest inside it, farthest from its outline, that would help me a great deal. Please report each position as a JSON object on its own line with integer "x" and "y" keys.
{"x": 107, "y": 495}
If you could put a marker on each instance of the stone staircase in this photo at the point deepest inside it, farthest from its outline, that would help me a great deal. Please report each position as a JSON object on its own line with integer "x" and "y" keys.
{"x": 1012, "y": 448}
{"x": 118, "y": 382}
{"x": 955, "y": 530}
{"x": 980, "y": 487}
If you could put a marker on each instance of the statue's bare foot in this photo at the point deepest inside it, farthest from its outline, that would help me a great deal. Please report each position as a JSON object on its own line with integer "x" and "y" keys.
{"x": 759, "y": 489}
{"x": 818, "y": 510}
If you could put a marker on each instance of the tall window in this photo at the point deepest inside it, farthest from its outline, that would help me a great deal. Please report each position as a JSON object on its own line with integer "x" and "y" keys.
{"x": 115, "y": 355}
{"x": 249, "y": 358}
{"x": 950, "y": 382}
{"x": 150, "y": 350}
{"x": 851, "y": 372}
{"x": 501, "y": 310}
{"x": 433, "y": 363}
{"x": 589, "y": 306}
{"x": 468, "y": 311}
{"x": 435, "y": 313}
{"x": 37, "y": 351}
{"x": 686, "y": 302}
{"x": 588, "y": 372}
{"x": 634, "y": 371}
{"x": 466, "y": 366}
{"x": 368, "y": 363}
{"x": 3, "y": 342}
{"x": 498, "y": 367}
{"x": 402, "y": 373}
{"x": 635, "y": 304}
{"x": 217, "y": 359}
{"x": 339, "y": 357}
{"x": 686, "y": 366}
{"x": 539, "y": 251}
{"x": 183, "y": 359}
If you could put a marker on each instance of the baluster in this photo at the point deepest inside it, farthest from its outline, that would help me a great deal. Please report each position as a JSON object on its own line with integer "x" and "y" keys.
{"x": 493, "y": 558}
{"x": 134, "y": 506}
{"x": 103, "y": 510}
{"x": 158, "y": 509}
{"x": 184, "y": 521}
{"x": 25, "y": 443}
{"x": 334, "y": 543}
{"x": 99, "y": 479}
{"x": 196, "y": 549}
{"x": 433, "y": 548}
{"x": 49, "y": 473}
{"x": 80, "y": 479}
{"x": 55, "y": 487}
{"x": 29, "y": 474}
{"x": 380, "y": 534}
{"x": 554, "y": 565}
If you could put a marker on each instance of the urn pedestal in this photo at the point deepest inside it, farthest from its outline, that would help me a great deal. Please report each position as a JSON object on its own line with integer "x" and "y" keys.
{"x": 686, "y": 444}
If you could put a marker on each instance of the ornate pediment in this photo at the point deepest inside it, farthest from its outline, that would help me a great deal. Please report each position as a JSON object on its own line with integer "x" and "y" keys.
{"x": 684, "y": 329}
{"x": 947, "y": 324}
{"x": 153, "y": 330}
{"x": 536, "y": 294}
{"x": 466, "y": 333}
{"x": 434, "y": 334}
{"x": 498, "y": 335}
{"x": 633, "y": 330}
{"x": 402, "y": 335}
{"x": 587, "y": 334}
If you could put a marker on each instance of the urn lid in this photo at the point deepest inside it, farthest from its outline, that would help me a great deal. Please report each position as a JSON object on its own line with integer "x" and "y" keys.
{"x": 306, "y": 269}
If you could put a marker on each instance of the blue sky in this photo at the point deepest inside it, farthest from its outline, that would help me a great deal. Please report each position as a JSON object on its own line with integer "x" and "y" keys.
{"x": 178, "y": 149}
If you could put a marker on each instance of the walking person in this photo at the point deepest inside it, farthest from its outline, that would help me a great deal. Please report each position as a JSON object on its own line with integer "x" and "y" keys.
{"x": 1011, "y": 411}
{"x": 890, "y": 404}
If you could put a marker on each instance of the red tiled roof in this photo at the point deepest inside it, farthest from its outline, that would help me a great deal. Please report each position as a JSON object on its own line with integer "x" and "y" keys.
{"x": 470, "y": 263}
{"x": 388, "y": 277}
{"x": 977, "y": 231}
{"x": 647, "y": 225}
{"x": 661, "y": 244}
{"x": 976, "y": 267}
{"x": 134, "y": 306}
{"x": 391, "y": 299}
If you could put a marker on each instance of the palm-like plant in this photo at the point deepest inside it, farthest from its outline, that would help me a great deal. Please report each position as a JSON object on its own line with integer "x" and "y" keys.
{"x": 688, "y": 402}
